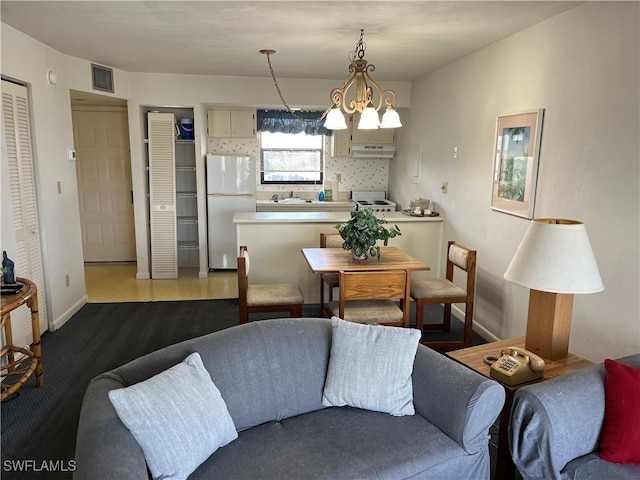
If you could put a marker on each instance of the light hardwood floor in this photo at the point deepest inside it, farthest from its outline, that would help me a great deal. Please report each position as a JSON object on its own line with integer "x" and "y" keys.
{"x": 116, "y": 282}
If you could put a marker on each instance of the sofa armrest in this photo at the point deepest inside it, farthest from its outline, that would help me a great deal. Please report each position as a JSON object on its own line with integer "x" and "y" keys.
{"x": 105, "y": 449}
{"x": 457, "y": 400}
{"x": 556, "y": 421}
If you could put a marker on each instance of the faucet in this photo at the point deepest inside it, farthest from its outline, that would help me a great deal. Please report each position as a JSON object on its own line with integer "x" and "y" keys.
{"x": 291, "y": 194}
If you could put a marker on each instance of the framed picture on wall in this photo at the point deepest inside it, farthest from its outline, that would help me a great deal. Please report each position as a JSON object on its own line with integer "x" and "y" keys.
{"x": 516, "y": 154}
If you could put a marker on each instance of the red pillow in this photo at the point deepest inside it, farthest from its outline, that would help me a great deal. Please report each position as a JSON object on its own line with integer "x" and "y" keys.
{"x": 620, "y": 442}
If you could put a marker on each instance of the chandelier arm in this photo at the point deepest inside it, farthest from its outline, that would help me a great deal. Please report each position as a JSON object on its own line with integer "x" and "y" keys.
{"x": 388, "y": 95}
{"x": 339, "y": 96}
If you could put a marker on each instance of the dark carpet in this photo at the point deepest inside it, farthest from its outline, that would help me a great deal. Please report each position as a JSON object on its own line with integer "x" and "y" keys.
{"x": 39, "y": 424}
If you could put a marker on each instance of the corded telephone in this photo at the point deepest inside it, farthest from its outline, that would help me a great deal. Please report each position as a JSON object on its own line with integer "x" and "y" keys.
{"x": 517, "y": 365}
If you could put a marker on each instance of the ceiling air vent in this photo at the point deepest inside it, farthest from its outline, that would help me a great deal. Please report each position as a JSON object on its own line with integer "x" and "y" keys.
{"x": 102, "y": 78}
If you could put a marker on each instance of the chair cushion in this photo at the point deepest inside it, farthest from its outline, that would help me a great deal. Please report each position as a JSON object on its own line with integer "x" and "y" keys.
{"x": 331, "y": 278}
{"x": 247, "y": 262}
{"x": 370, "y": 367}
{"x": 274, "y": 294}
{"x": 436, "y": 288}
{"x": 334, "y": 241}
{"x": 620, "y": 441}
{"x": 459, "y": 256}
{"x": 368, "y": 311}
{"x": 178, "y": 417}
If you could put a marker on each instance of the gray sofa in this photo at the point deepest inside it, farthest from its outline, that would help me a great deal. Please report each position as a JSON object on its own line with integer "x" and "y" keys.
{"x": 271, "y": 375}
{"x": 556, "y": 426}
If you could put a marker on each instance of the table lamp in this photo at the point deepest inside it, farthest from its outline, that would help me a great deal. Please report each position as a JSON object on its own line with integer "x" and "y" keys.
{"x": 555, "y": 261}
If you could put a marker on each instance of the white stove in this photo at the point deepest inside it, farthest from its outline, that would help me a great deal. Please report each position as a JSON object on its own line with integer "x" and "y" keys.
{"x": 373, "y": 199}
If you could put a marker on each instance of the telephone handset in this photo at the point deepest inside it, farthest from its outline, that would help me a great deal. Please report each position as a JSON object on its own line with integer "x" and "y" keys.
{"x": 517, "y": 365}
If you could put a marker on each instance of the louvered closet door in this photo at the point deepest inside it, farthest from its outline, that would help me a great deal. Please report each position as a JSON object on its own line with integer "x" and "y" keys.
{"x": 16, "y": 139}
{"x": 162, "y": 195}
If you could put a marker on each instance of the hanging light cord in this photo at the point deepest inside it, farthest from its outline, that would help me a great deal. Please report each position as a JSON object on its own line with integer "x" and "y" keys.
{"x": 284, "y": 102}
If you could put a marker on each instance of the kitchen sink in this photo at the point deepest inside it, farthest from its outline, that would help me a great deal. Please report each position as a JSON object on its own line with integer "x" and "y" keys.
{"x": 293, "y": 200}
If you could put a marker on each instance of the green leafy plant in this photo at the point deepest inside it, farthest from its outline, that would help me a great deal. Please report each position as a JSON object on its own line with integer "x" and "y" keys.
{"x": 362, "y": 232}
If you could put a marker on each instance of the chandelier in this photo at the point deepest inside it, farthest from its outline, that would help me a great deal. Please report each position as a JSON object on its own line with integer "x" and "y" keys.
{"x": 364, "y": 99}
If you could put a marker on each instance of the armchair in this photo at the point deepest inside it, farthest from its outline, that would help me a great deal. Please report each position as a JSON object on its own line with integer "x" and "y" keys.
{"x": 556, "y": 428}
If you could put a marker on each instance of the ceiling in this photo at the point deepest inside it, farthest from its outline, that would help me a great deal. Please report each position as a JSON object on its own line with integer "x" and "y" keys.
{"x": 405, "y": 39}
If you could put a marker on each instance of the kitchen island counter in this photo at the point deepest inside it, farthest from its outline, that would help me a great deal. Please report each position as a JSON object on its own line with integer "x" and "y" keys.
{"x": 275, "y": 241}
{"x": 322, "y": 217}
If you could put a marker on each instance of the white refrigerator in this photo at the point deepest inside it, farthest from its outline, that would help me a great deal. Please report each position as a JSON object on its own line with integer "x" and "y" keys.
{"x": 231, "y": 188}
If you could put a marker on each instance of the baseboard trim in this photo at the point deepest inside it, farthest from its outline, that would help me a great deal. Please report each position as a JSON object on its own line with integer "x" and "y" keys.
{"x": 66, "y": 316}
{"x": 477, "y": 326}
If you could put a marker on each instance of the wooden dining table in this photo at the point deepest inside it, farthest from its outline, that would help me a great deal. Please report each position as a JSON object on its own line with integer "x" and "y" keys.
{"x": 326, "y": 260}
{"x": 323, "y": 260}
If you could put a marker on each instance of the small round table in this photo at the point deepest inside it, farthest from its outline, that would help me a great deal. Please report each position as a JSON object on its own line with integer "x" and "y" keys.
{"x": 21, "y": 362}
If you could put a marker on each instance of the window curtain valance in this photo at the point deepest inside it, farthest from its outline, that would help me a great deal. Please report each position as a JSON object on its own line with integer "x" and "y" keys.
{"x": 281, "y": 121}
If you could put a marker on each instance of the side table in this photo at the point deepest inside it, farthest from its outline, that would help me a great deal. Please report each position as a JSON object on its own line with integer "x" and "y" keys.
{"x": 473, "y": 358}
{"x": 21, "y": 362}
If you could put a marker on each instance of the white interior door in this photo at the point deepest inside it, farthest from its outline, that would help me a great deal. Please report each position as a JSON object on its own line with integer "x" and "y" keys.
{"x": 103, "y": 165}
{"x": 18, "y": 159}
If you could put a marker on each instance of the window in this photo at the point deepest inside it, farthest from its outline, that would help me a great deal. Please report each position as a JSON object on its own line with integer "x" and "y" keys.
{"x": 287, "y": 158}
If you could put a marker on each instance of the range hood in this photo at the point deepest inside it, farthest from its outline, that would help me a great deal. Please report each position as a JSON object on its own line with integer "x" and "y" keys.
{"x": 373, "y": 151}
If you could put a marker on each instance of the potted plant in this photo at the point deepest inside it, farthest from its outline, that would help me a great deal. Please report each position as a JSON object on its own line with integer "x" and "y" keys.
{"x": 362, "y": 232}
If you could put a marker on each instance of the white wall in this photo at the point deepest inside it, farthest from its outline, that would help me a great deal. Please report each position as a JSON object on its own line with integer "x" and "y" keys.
{"x": 28, "y": 61}
{"x": 582, "y": 68}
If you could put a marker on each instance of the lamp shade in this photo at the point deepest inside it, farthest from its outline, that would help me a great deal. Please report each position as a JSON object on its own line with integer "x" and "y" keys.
{"x": 555, "y": 256}
{"x": 390, "y": 119}
{"x": 335, "y": 120}
{"x": 369, "y": 119}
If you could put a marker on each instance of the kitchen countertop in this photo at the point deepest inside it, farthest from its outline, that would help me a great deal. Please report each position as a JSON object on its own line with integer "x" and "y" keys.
{"x": 322, "y": 217}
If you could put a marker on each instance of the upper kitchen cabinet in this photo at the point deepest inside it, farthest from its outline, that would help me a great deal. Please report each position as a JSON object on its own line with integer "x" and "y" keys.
{"x": 377, "y": 136}
{"x": 341, "y": 143}
{"x": 227, "y": 123}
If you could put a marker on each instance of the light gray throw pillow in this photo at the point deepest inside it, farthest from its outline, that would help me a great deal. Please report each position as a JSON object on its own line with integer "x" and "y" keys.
{"x": 370, "y": 367}
{"x": 178, "y": 417}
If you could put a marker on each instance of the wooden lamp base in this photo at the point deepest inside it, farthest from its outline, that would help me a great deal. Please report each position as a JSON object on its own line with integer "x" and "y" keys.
{"x": 549, "y": 324}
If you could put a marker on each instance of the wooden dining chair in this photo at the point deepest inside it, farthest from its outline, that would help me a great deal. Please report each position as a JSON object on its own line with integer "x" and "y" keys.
{"x": 368, "y": 297}
{"x": 444, "y": 291}
{"x": 330, "y": 279}
{"x": 276, "y": 297}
